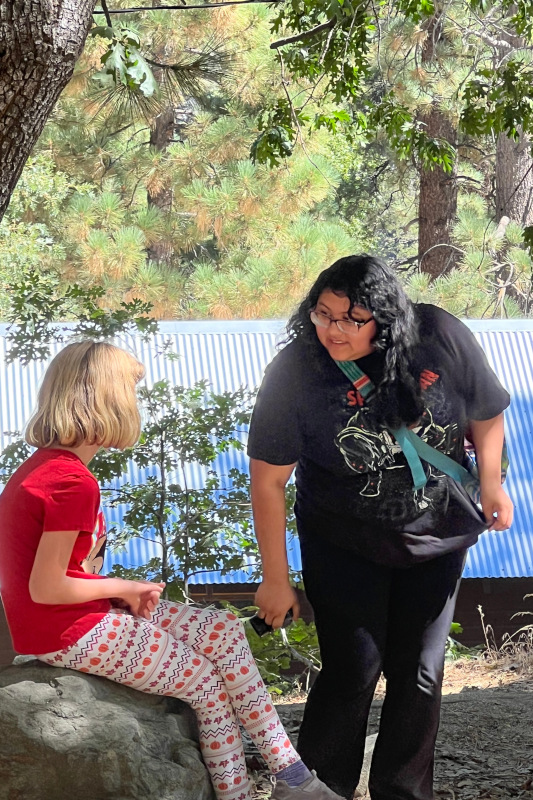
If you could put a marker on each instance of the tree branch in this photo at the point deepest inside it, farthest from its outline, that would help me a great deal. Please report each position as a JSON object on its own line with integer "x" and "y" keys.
{"x": 183, "y": 7}
{"x": 106, "y": 12}
{"x": 296, "y": 654}
{"x": 325, "y": 26}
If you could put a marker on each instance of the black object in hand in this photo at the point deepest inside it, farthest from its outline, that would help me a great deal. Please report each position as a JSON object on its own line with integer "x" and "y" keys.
{"x": 260, "y": 626}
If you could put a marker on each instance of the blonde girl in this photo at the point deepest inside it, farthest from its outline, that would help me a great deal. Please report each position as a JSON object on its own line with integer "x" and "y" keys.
{"x": 52, "y": 534}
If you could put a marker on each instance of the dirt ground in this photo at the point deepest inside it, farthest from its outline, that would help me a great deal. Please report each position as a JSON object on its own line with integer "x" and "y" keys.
{"x": 485, "y": 741}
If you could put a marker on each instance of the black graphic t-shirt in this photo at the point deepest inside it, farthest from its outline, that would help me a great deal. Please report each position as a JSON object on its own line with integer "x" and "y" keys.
{"x": 351, "y": 476}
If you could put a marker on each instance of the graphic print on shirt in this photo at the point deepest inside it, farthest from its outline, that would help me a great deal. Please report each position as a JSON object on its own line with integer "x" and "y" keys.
{"x": 94, "y": 561}
{"x": 369, "y": 452}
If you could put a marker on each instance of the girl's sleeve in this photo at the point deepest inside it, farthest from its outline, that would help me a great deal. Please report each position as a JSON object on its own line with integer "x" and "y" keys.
{"x": 485, "y": 397}
{"x": 275, "y": 431}
{"x": 73, "y": 504}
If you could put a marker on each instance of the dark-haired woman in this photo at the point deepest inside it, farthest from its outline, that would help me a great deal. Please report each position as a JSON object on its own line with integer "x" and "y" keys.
{"x": 381, "y": 560}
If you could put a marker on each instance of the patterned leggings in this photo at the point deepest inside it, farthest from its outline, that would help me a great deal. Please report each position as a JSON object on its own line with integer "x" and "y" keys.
{"x": 201, "y": 656}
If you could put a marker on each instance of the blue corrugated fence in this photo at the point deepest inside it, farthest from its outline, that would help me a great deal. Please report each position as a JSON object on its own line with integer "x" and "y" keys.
{"x": 234, "y": 354}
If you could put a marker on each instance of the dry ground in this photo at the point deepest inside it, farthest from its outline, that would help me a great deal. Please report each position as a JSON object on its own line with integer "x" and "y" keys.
{"x": 485, "y": 742}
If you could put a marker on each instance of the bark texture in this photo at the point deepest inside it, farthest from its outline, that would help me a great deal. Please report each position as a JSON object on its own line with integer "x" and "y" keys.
{"x": 168, "y": 127}
{"x": 162, "y": 197}
{"x": 514, "y": 162}
{"x": 40, "y": 42}
{"x": 161, "y": 135}
{"x": 514, "y": 179}
{"x": 438, "y": 189}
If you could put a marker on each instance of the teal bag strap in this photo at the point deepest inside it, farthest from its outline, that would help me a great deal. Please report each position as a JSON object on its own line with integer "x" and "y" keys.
{"x": 364, "y": 385}
{"x": 404, "y": 437}
{"x": 415, "y": 448}
{"x": 439, "y": 460}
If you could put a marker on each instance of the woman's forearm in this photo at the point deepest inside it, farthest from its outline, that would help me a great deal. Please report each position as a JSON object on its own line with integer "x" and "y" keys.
{"x": 270, "y": 522}
{"x": 487, "y": 436}
{"x": 274, "y": 596}
{"x": 270, "y": 529}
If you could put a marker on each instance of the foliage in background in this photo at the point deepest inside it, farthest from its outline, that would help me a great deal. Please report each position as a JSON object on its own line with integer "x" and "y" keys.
{"x": 282, "y": 658}
{"x": 436, "y": 84}
{"x": 175, "y": 216}
{"x": 39, "y": 305}
{"x": 368, "y": 61}
{"x": 179, "y": 218}
{"x": 196, "y": 529}
{"x": 455, "y": 650}
{"x": 494, "y": 273}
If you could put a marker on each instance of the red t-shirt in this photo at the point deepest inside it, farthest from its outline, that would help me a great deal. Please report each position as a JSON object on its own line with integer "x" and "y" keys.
{"x": 52, "y": 491}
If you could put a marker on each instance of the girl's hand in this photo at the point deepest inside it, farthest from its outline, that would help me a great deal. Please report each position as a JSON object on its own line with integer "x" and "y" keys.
{"x": 142, "y": 597}
{"x": 497, "y": 507}
{"x": 150, "y": 601}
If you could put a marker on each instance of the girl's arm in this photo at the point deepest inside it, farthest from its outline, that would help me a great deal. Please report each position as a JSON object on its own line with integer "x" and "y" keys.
{"x": 487, "y": 438}
{"x": 275, "y": 595}
{"x": 49, "y": 584}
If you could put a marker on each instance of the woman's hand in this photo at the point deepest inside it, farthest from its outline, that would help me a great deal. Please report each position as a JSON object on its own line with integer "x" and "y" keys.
{"x": 274, "y": 599}
{"x": 497, "y": 507}
{"x": 487, "y": 436}
{"x": 141, "y": 597}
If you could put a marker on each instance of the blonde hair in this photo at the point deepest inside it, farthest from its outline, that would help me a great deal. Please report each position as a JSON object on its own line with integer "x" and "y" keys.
{"x": 88, "y": 397}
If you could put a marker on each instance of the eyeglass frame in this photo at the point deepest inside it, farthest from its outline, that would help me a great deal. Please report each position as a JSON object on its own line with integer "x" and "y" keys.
{"x": 354, "y": 325}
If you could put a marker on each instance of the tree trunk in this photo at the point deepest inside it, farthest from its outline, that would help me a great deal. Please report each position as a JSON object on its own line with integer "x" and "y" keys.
{"x": 437, "y": 207}
{"x": 514, "y": 162}
{"x": 40, "y": 42}
{"x": 161, "y": 136}
{"x": 514, "y": 179}
{"x": 168, "y": 127}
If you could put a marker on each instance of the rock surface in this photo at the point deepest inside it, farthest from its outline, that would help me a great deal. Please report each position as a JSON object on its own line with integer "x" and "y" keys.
{"x": 69, "y": 736}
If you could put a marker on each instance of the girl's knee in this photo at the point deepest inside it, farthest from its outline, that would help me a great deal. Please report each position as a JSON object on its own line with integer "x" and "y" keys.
{"x": 222, "y": 627}
{"x": 226, "y": 621}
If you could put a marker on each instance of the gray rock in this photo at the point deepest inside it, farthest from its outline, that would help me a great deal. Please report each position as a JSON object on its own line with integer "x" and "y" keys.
{"x": 65, "y": 735}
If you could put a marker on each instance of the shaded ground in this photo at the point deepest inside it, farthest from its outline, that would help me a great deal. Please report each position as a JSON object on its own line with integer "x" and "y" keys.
{"x": 485, "y": 742}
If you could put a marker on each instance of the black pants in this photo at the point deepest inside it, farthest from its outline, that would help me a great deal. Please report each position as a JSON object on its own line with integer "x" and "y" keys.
{"x": 372, "y": 618}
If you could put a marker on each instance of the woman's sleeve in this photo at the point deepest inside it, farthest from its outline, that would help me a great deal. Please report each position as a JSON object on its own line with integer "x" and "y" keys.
{"x": 73, "y": 504}
{"x": 475, "y": 379}
{"x": 275, "y": 432}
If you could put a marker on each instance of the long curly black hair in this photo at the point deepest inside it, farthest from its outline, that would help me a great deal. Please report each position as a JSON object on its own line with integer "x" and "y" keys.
{"x": 368, "y": 282}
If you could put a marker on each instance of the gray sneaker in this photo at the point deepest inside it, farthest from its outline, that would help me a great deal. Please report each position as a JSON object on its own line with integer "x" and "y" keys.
{"x": 311, "y": 789}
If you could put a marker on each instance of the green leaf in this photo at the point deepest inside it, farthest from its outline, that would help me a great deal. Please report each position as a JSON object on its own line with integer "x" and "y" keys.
{"x": 455, "y": 629}
{"x": 528, "y": 239}
{"x": 115, "y": 61}
{"x": 141, "y": 74}
{"x": 102, "y": 30}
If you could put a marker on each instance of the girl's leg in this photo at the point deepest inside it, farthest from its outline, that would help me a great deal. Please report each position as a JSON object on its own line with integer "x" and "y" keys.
{"x": 133, "y": 652}
{"x": 219, "y": 636}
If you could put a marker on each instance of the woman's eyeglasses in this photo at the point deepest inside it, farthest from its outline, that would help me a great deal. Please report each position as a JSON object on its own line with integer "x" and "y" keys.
{"x": 344, "y": 325}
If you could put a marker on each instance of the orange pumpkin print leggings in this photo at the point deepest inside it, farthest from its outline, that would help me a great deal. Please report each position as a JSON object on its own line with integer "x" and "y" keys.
{"x": 200, "y": 656}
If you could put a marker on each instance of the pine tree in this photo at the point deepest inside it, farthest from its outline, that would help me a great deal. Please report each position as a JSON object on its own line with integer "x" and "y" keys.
{"x": 164, "y": 205}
